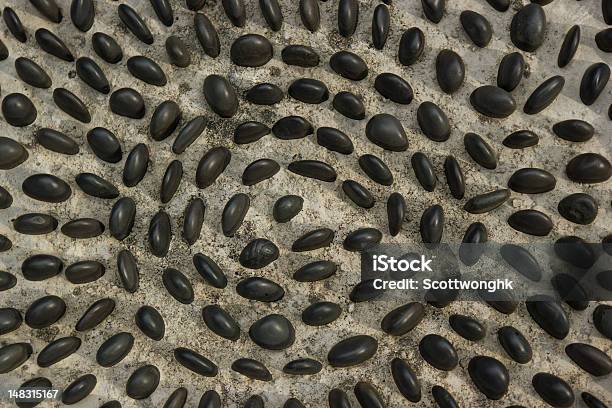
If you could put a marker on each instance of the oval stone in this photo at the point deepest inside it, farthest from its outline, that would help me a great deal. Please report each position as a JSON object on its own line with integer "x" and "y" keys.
{"x": 477, "y": 27}
{"x": 532, "y": 181}
{"x": 348, "y": 17}
{"x": 41, "y": 266}
{"x": 96, "y": 186}
{"x": 221, "y": 322}
{"x": 394, "y": 88}
{"x": 349, "y": 105}
{"x": 467, "y": 327}
{"x": 178, "y": 285}
{"x": 209, "y": 271}
{"x": 135, "y": 23}
{"x": 490, "y": 376}
{"x": 362, "y": 239}
{"x": 207, "y": 35}
{"x": 45, "y": 311}
{"x": 95, "y": 314}
{"x": 142, "y": 382}
{"x": 211, "y": 165}
{"x": 127, "y": 102}
{"x": 164, "y": 120}
{"x": 308, "y": 90}
{"x": 35, "y": 224}
{"x": 53, "y": 45}
{"x": 403, "y": 319}
{"x": 92, "y": 74}
{"x": 292, "y": 127}
{"x": 195, "y": 362}
{"x": 569, "y": 46}
{"x": 287, "y": 207}
{"x": 349, "y": 65}
{"x": 18, "y": 110}
{"x": 252, "y": 369}
{"x": 433, "y": 122}
{"x": 515, "y": 344}
{"x": 450, "y": 71}
{"x": 591, "y": 359}
{"x": 122, "y": 217}
{"x": 406, "y": 380}
{"x": 10, "y": 320}
{"x": 58, "y": 350}
{"x": 439, "y": 352}
{"x": 272, "y": 13}
{"x": 114, "y": 349}
{"x": 260, "y": 289}
{"x": 303, "y": 366}
{"x": 177, "y": 51}
{"x": 84, "y": 272}
{"x": 532, "y": 222}
{"x": 411, "y": 46}
{"x": 352, "y": 351}
{"x": 313, "y": 169}
{"x": 528, "y": 27}
{"x": 544, "y": 95}
{"x": 588, "y": 168}
{"x": 315, "y": 239}
{"x": 56, "y": 141}
{"x": 510, "y": 71}
{"x": 321, "y": 313}
{"x": 579, "y": 208}
{"x": 593, "y": 82}
{"x": 150, "y": 322}
{"x": 258, "y": 253}
{"x": 249, "y": 132}
{"x": 193, "y": 220}
{"x": 106, "y": 47}
{"x": 79, "y": 389}
{"x": 300, "y": 55}
{"x": 553, "y": 390}
{"x": 220, "y": 96}
{"x": 259, "y": 170}
{"x": 264, "y": 94}
{"x": 251, "y": 50}
{"x": 493, "y": 102}
{"x": 14, "y": 355}
{"x": 549, "y": 315}
{"x": 31, "y": 73}
{"x": 272, "y": 332}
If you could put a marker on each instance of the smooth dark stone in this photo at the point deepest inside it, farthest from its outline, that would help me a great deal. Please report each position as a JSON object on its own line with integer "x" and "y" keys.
{"x": 49, "y": 9}
{"x": 570, "y": 291}
{"x": 142, "y": 382}
{"x": 221, "y": 322}
{"x": 310, "y": 15}
{"x": 189, "y": 134}
{"x": 95, "y": 314}
{"x": 46, "y": 187}
{"x": 394, "y": 88}
{"x": 220, "y": 96}
{"x": 411, "y": 46}
{"x": 7, "y": 281}
{"x": 362, "y": 239}
{"x": 315, "y": 239}
{"x": 14, "y": 25}
{"x": 127, "y": 102}
{"x": 91, "y": 73}
{"x": 521, "y": 260}
{"x": 490, "y": 376}
{"x": 349, "y": 65}
{"x": 259, "y": 170}
{"x": 521, "y": 139}
{"x": 406, "y": 380}
{"x": 574, "y": 130}
{"x": 264, "y": 94}
{"x": 71, "y": 104}
{"x": 486, "y": 202}
{"x": 473, "y": 243}
{"x": 251, "y": 50}
{"x": 467, "y": 327}
{"x": 150, "y": 322}
{"x": 352, "y": 351}
{"x": 45, "y": 311}
{"x": 178, "y": 53}
{"x": 380, "y": 26}
{"x": 433, "y": 10}
{"x": 303, "y": 366}
{"x": 114, "y": 349}
{"x": 424, "y": 171}
{"x": 79, "y": 389}
{"x": 364, "y": 291}
{"x": 178, "y": 285}
{"x": 544, "y": 95}
{"x": 31, "y": 73}
{"x": 603, "y": 39}
{"x": 477, "y": 27}
{"x": 160, "y": 234}
{"x": 604, "y": 279}
{"x": 58, "y": 350}
{"x": 450, "y": 71}
{"x": 146, "y": 70}
{"x": 349, "y": 105}
{"x": 454, "y": 177}
{"x": 234, "y": 212}
{"x": 602, "y": 320}
{"x": 35, "y": 224}
{"x": 348, "y": 17}
{"x": 433, "y": 122}
{"x": 163, "y": 10}
{"x": 396, "y": 212}
{"x": 195, "y": 362}
{"x": 493, "y": 102}
{"x": 569, "y": 46}
{"x": 308, "y": 90}
{"x": 127, "y": 270}
{"x": 252, "y": 369}
{"x": 249, "y": 132}
{"x": 591, "y": 401}
{"x": 135, "y": 23}
{"x": 549, "y": 315}
{"x": 321, "y": 313}
{"x": 272, "y": 13}
{"x": 258, "y": 253}
{"x": 292, "y": 127}
{"x": 553, "y": 390}
{"x": 18, "y": 110}
{"x": 14, "y": 355}
{"x": 510, "y": 71}
{"x": 53, "y": 45}
{"x": 376, "y": 169}
{"x": 4, "y": 52}
{"x": 386, "y": 131}
{"x": 532, "y": 222}
{"x": 5, "y": 243}
{"x": 313, "y": 169}
{"x": 211, "y": 166}
{"x": 235, "y": 12}
{"x": 209, "y": 271}
{"x": 6, "y": 199}
{"x": 499, "y": 5}
{"x": 207, "y": 35}
{"x": 432, "y": 224}
{"x": 136, "y": 165}
{"x": 10, "y": 320}
{"x": 122, "y": 218}
{"x": 480, "y": 151}
{"x": 82, "y": 14}
{"x": 41, "y": 266}
{"x": 532, "y": 181}
{"x": 171, "y": 181}
{"x": 334, "y": 140}
{"x": 287, "y": 207}
{"x": 588, "y": 168}
{"x": 272, "y": 332}
{"x": 260, "y": 289}
{"x": 443, "y": 398}
{"x": 403, "y": 319}
{"x": 575, "y": 251}
{"x": 210, "y": 399}
{"x": 84, "y": 272}
{"x": 193, "y": 220}
{"x": 515, "y": 344}
{"x": 593, "y": 82}
{"x": 300, "y": 55}
{"x": 106, "y": 47}
{"x": 439, "y": 352}
{"x": 368, "y": 396}
{"x": 591, "y": 359}
{"x": 579, "y": 208}
{"x": 528, "y": 27}
{"x": 177, "y": 399}
{"x": 12, "y": 154}
{"x": 502, "y": 301}
{"x": 39, "y": 383}
{"x": 606, "y": 11}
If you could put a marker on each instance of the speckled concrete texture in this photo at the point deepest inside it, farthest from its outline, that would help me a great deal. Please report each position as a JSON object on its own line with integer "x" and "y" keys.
{"x": 325, "y": 205}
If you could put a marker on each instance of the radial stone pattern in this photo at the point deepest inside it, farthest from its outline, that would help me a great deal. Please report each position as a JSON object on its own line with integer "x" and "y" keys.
{"x": 185, "y": 186}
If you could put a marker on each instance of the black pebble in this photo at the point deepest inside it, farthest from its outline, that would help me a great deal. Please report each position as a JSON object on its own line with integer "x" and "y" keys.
{"x": 104, "y": 144}
{"x": 150, "y": 322}
{"x": 252, "y": 369}
{"x": 96, "y": 186}
{"x": 136, "y": 165}
{"x": 260, "y": 289}
{"x": 313, "y": 169}
{"x": 603, "y": 39}
{"x": 433, "y": 122}
{"x": 602, "y": 320}
{"x": 195, "y": 362}
{"x": 95, "y": 314}
{"x": 4, "y": 52}
{"x": 396, "y": 212}
{"x": 12, "y": 154}
{"x": 532, "y": 222}
{"x": 178, "y": 53}
{"x": 287, "y": 207}
{"x": 569, "y": 46}
{"x": 454, "y": 177}
{"x": 570, "y": 291}
{"x": 394, "y": 88}
{"x": 376, "y": 169}
{"x": 32, "y": 73}
{"x": 574, "y": 130}
{"x": 235, "y": 12}
{"x": 13, "y": 23}
{"x": 177, "y": 399}
{"x": 10, "y": 320}
{"x": 171, "y": 181}
{"x": 579, "y": 208}
{"x": 593, "y": 82}
{"x": 544, "y": 95}
{"x": 515, "y": 344}
{"x": 91, "y": 73}
{"x": 300, "y": 55}
{"x": 221, "y": 322}
{"x": 45, "y": 311}
{"x": 135, "y": 23}
{"x": 272, "y": 332}
{"x": 334, "y": 140}
{"x": 473, "y": 243}
{"x": 406, "y": 380}
{"x": 521, "y": 260}
{"x": 193, "y": 220}
{"x": 411, "y": 46}
{"x": 349, "y": 105}
{"x": 433, "y": 10}
{"x": 477, "y": 27}
{"x": 403, "y": 319}
{"x": 220, "y": 96}
{"x": 106, "y": 47}
{"x": 14, "y": 355}
{"x": 368, "y": 396}
{"x": 528, "y": 27}
{"x": 164, "y": 120}
{"x": 5, "y": 243}
{"x": 211, "y": 166}
{"x": 349, "y": 65}
{"x": 380, "y": 26}
{"x": 439, "y": 352}
{"x": 49, "y": 9}
{"x": 79, "y": 389}
{"x": 303, "y": 366}
{"x": 315, "y": 271}
{"x": 532, "y": 181}
{"x": 588, "y": 168}
{"x": 591, "y": 401}
{"x": 178, "y": 285}
{"x": 493, "y": 102}
{"x": 310, "y": 15}
{"x": 467, "y": 327}
{"x": 127, "y": 102}
{"x": 521, "y": 139}
{"x": 251, "y": 50}
{"x": 122, "y": 218}
{"x": 35, "y": 224}
{"x": 308, "y": 90}
{"x": 114, "y": 349}
{"x": 549, "y": 315}
{"x": 490, "y": 376}
{"x": 163, "y": 10}
{"x": 71, "y": 104}
{"x": 160, "y": 234}
{"x": 315, "y": 239}
{"x": 82, "y": 14}
{"x": 264, "y": 94}
{"x": 207, "y": 35}
{"x": 352, "y": 351}
{"x": 362, "y": 239}
{"x": 259, "y": 170}
{"x": 554, "y": 390}
{"x": 321, "y": 313}
{"x": 84, "y": 272}
{"x": 18, "y": 110}
{"x": 443, "y": 398}
{"x": 249, "y": 132}
{"x": 348, "y": 17}
{"x": 258, "y": 253}
{"x": 210, "y": 399}
{"x": 450, "y": 71}
{"x": 41, "y": 266}
{"x": 53, "y": 45}
{"x": 46, "y": 187}
{"x": 146, "y": 70}
{"x": 188, "y": 134}
{"x": 142, "y": 382}
{"x": 234, "y": 212}
{"x": 575, "y": 251}
{"x": 272, "y": 13}
{"x": 591, "y": 359}
{"x": 386, "y": 131}
{"x": 510, "y": 71}
{"x": 480, "y": 151}
{"x": 7, "y": 281}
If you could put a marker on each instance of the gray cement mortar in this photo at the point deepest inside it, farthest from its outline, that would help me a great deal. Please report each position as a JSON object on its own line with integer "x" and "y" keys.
{"x": 324, "y": 206}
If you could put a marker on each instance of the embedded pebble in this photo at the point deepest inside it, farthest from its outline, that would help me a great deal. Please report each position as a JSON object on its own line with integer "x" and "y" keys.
{"x": 195, "y": 362}
{"x": 477, "y": 27}
{"x": 134, "y": 22}
{"x": 106, "y": 47}
{"x": 528, "y": 27}
{"x": 114, "y": 349}
{"x": 252, "y": 369}
{"x": 544, "y": 95}
{"x": 308, "y": 90}
{"x": 287, "y": 207}
{"x": 251, "y": 50}
{"x": 493, "y": 102}
{"x": 349, "y": 105}
{"x": 178, "y": 285}
{"x": 95, "y": 314}
{"x": 574, "y": 130}
{"x": 380, "y": 26}
{"x": 438, "y": 351}
{"x": 207, "y": 35}
{"x": 553, "y": 390}
{"x": 272, "y": 13}
{"x": 53, "y": 45}
{"x": 272, "y": 332}
{"x": 588, "y": 168}
{"x": 10, "y": 320}
{"x": 569, "y": 46}
{"x": 411, "y": 46}
{"x": 352, "y": 351}
{"x": 264, "y": 94}
{"x": 349, "y": 65}
{"x": 32, "y": 73}
{"x": 220, "y": 96}
{"x": 300, "y": 55}
{"x": 142, "y": 382}
{"x": 515, "y": 344}
{"x": 450, "y": 71}
{"x": 91, "y": 73}
{"x": 260, "y": 289}
{"x": 177, "y": 51}
{"x": 531, "y": 222}
{"x": 321, "y": 313}
{"x": 18, "y": 110}
{"x": 387, "y": 132}
{"x": 490, "y": 376}
{"x": 433, "y": 122}
{"x": 150, "y": 322}
{"x": 510, "y": 71}
{"x": 221, "y": 322}
{"x": 394, "y": 88}
{"x": 348, "y": 17}
{"x": 45, "y": 311}
{"x": 127, "y": 102}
